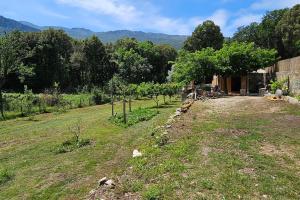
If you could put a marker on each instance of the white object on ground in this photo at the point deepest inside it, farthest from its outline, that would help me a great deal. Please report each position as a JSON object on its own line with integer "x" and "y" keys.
{"x": 136, "y": 153}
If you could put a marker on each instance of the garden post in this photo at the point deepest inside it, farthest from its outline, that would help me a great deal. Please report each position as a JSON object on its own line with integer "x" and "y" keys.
{"x": 124, "y": 110}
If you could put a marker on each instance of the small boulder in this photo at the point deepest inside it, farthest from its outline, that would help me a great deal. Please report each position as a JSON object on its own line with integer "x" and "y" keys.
{"x": 136, "y": 153}
{"x": 110, "y": 183}
{"x": 102, "y": 181}
{"x": 278, "y": 93}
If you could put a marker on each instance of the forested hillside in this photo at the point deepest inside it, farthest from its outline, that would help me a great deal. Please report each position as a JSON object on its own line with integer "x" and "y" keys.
{"x": 8, "y": 25}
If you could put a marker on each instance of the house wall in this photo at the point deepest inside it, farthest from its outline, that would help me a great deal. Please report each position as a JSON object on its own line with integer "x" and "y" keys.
{"x": 244, "y": 80}
{"x": 289, "y": 68}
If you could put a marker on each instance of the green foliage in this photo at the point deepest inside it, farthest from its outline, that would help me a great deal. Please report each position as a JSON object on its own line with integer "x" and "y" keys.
{"x": 289, "y": 28}
{"x": 133, "y": 68}
{"x": 27, "y": 102}
{"x": 162, "y": 139}
{"x": 279, "y": 84}
{"x": 198, "y": 66}
{"x": 99, "y": 96}
{"x": 152, "y": 193}
{"x": 233, "y": 58}
{"x": 75, "y": 142}
{"x": 205, "y": 35}
{"x": 242, "y": 58}
{"x": 71, "y": 145}
{"x": 5, "y": 176}
{"x": 278, "y": 30}
{"x": 134, "y": 117}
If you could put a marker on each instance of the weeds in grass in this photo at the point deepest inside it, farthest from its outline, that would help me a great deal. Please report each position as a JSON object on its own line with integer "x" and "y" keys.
{"x": 162, "y": 140}
{"x": 136, "y": 116}
{"x": 152, "y": 193}
{"x": 75, "y": 142}
{"x": 5, "y": 176}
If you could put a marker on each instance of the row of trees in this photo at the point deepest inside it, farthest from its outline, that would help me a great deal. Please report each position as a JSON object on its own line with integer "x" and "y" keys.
{"x": 149, "y": 90}
{"x": 279, "y": 29}
{"x": 52, "y": 56}
{"x": 232, "y": 59}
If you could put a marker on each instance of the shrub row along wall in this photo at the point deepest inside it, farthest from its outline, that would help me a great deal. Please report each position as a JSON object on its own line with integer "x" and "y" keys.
{"x": 289, "y": 68}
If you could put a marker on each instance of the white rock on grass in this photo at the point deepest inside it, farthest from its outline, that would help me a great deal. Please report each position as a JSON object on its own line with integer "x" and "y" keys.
{"x": 110, "y": 183}
{"x": 136, "y": 153}
{"x": 102, "y": 181}
{"x": 177, "y": 113}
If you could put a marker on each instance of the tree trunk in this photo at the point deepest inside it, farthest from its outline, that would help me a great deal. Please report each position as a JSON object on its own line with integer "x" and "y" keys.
{"x": 164, "y": 99}
{"x": 124, "y": 110}
{"x": 1, "y": 104}
{"x": 129, "y": 103}
{"x": 112, "y": 105}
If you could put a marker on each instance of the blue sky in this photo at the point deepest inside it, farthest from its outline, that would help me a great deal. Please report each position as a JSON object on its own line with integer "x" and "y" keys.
{"x": 165, "y": 16}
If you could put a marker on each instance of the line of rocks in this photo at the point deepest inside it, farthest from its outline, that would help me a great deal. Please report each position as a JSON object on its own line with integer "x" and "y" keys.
{"x": 105, "y": 184}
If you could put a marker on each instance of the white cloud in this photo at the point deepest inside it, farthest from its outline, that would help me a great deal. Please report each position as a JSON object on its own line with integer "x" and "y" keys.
{"x": 271, "y": 4}
{"x": 137, "y": 15}
{"x": 122, "y": 11}
{"x": 220, "y": 17}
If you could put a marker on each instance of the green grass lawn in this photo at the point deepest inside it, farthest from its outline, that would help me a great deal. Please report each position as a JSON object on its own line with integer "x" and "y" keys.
{"x": 232, "y": 148}
{"x": 30, "y": 168}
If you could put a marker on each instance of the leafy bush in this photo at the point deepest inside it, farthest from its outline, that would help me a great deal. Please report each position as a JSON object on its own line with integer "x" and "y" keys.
{"x": 136, "y": 116}
{"x": 282, "y": 85}
{"x": 5, "y": 176}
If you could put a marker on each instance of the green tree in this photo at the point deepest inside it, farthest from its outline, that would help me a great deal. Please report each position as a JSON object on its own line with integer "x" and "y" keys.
{"x": 205, "y": 35}
{"x": 11, "y": 55}
{"x": 271, "y": 38}
{"x": 289, "y": 28}
{"x": 132, "y": 67}
{"x": 199, "y": 66}
{"x": 51, "y": 50}
{"x": 97, "y": 62}
{"x": 242, "y": 58}
{"x": 250, "y": 33}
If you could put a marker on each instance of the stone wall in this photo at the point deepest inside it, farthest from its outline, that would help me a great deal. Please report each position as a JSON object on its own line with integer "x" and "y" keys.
{"x": 289, "y": 68}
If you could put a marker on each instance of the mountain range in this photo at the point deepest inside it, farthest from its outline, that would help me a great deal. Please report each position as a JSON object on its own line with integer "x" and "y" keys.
{"x": 8, "y": 25}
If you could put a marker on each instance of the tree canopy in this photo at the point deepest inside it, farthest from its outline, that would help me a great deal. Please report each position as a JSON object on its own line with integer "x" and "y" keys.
{"x": 233, "y": 59}
{"x": 279, "y": 29}
{"x": 289, "y": 28}
{"x": 205, "y": 35}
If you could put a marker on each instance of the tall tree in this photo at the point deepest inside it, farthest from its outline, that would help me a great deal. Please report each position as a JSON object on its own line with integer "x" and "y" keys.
{"x": 78, "y": 72}
{"x": 132, "y": 67}
{"x": 12, "y": 51}
{"x": 98, "y": 65}
{"x": 270, "y": 37}
{"x": 289, "y": 28}
{"x": 250, "y": 33}
{"x": 51, "y": 55}
{"x": 205, "y": 35}
{"x": 198, "y": 66}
